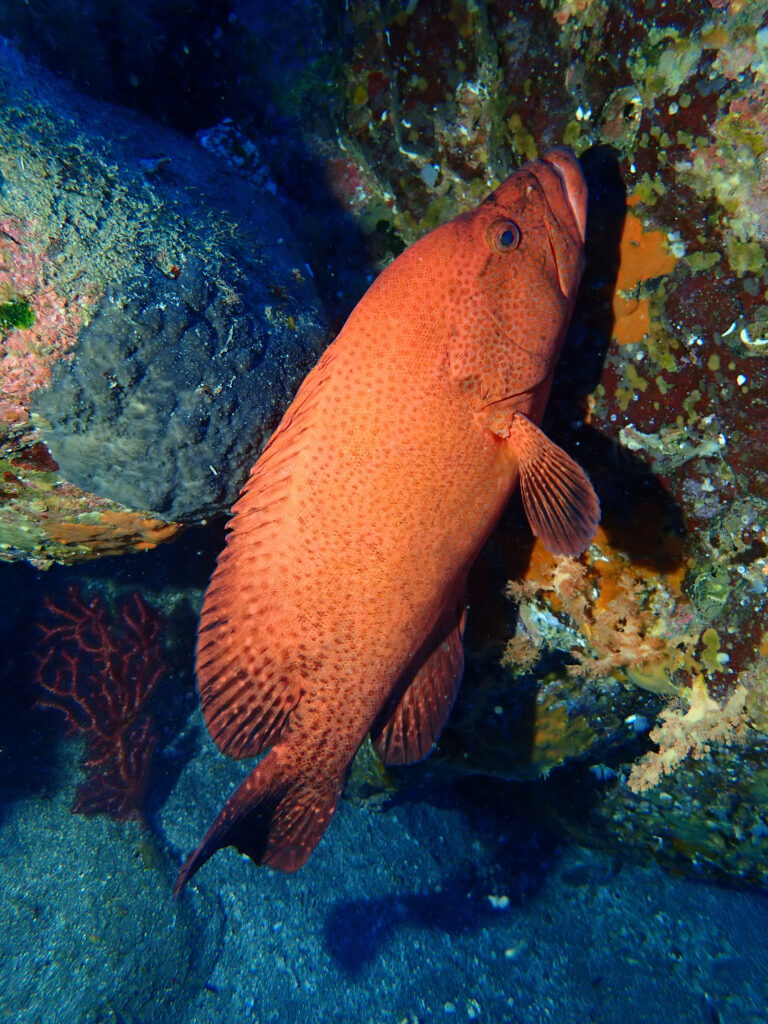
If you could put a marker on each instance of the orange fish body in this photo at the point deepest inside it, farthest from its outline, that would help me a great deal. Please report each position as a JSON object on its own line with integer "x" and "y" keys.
{"x": 337, "y": 607}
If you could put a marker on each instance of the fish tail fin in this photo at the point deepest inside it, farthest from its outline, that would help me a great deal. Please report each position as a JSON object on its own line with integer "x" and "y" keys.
{"x": 275, "y": 816}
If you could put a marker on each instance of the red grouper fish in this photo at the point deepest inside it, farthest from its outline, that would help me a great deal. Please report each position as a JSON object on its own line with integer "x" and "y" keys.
{"x": 337, "y": 607}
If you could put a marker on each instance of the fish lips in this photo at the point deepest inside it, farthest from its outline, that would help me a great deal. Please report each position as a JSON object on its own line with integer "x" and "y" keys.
{"x": 572, "y": 182}
{"x": 562, "y": 184}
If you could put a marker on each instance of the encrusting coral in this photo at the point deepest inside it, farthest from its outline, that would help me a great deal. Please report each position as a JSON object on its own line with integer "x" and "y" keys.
{"x": 612, "y": 615}
{"x": 691, "y": 730}
{"x": 617, "y": 620}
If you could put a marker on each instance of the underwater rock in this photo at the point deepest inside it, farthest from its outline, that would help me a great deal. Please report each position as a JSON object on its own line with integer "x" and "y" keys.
{"x": 155, "y": 320}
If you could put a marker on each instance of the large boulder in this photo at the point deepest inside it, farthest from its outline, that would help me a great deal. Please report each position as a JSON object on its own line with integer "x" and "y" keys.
{"x": 156, "y": 318}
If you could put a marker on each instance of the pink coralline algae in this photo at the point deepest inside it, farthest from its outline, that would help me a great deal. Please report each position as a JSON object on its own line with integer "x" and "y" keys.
{"x": 100, "y": 676}
{"x": 26, "y": 354}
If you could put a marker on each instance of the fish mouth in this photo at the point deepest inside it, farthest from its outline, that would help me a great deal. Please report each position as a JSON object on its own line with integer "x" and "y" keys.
{"x": 566, "y": 167}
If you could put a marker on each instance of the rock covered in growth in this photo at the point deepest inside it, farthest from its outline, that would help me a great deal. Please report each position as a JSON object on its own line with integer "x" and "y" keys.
{"x": 169, "y": 315}
{"x": 177, "y": 382}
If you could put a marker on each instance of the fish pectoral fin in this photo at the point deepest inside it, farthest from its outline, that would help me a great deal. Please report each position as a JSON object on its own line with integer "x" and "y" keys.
{"x": 559, "y": 501}
{"x": 411, "y": 730}
{"x": 276, "y": 817}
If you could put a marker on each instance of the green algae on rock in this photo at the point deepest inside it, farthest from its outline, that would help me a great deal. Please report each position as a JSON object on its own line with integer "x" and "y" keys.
{"x": 16, "y": 314}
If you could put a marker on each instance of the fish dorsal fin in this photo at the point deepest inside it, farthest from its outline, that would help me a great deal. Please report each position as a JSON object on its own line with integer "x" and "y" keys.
{"x": 411, "y": 730}
{"x": 559, "y": 501}
{"x": 247, "y": 689}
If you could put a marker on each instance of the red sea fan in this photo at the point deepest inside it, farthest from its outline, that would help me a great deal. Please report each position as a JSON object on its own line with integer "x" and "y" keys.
{"x": 100, "y": 674}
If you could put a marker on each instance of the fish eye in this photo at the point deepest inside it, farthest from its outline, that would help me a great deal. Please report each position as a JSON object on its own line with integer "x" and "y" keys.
{"x": 504, "y": 236}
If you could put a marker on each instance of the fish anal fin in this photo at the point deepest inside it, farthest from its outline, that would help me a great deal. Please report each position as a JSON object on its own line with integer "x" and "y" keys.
{"x": 276, "y": 817}
{"x": 409, "y": 733}
{"x": 559, "y": 501}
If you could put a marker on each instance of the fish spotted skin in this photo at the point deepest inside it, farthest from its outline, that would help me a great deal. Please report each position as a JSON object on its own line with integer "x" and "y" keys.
{"x": 337, "y": 606}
